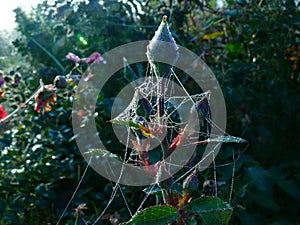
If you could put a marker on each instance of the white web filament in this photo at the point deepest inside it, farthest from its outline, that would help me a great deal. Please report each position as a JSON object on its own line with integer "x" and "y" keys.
{"x": 142, "y": 129}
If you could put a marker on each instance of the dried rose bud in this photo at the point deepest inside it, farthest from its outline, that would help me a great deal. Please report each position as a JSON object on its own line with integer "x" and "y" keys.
{"x": 60, "y": 82}
{"x": 203, "y": 106}
{"x": 158, "y": 49}
{"x": 44, "y": 98}
{"x": 191, "y": 182}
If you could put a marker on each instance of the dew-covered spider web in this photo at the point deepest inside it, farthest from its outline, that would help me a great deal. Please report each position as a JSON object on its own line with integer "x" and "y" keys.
{"x": 157, "y": 118}
{"x": 171, "y": 140}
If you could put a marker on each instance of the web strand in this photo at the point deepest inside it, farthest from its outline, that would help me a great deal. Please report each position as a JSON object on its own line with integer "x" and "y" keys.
{"x": 150, "y": 89}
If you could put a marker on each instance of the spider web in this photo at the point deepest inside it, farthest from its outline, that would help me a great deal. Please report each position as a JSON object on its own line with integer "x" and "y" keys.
{"x": 142, "y": 123}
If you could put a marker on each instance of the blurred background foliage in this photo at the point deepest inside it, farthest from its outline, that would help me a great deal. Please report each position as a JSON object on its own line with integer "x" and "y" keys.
{"x": 252, "y": 47}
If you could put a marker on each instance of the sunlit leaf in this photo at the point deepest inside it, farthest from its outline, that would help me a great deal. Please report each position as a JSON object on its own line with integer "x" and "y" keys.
{"x": 212, "y": 210}
{"x": 213, "y": 35}
{"x": 156, "y": 215}
{"x": 227, "y": 139}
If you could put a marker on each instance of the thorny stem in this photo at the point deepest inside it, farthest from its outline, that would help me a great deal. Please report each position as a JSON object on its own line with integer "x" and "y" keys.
{"x": 20, "y": 108}
{"x": 162, "y": 72}
{"x": 161, "y": 107}
{"x": 162, "y": 92}
{"x": 33, "y": 96}
{"x": 155, "y": 51}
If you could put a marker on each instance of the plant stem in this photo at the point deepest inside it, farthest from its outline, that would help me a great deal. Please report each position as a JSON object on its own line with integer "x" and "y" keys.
{"x": 48, "y": 53}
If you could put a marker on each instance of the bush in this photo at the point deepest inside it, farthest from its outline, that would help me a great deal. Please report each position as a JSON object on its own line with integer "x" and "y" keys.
{"x": 253, "y": 48}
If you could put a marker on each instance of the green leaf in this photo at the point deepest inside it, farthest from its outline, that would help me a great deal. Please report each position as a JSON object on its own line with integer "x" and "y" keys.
{"x": 2, "y": 207}
{"x": 213, "y": 21}
{"x": 234, "y": 49}
{"x": 126, "y": 123}
{"x": 276, "y": 175}
{"x": 258, "y": 176}
{"x": 156, "y": 215}
{"x": 232, "y": 13}
{"x": 244, "y": 217}
{"x": 265, "y": 200}
{"x": 290, "y": 187}
{"x": 212, "y": 210}
{"x": 241, "y": 2}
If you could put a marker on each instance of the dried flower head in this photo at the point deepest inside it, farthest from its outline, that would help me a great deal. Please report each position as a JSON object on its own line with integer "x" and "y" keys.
{"x": 60, "y": 82}
{"x": 44, "y": 98}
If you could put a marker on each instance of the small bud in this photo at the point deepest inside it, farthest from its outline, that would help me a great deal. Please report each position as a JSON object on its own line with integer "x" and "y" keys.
{"x": 161, "y": 47}
{"x": 60, "y": 82}
{"x": 191, "y": 182}
{"x": 203, "y": 107}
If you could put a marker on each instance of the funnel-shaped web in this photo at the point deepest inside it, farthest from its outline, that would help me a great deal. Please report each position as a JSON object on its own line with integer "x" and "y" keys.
{"x": 158, "y": 120}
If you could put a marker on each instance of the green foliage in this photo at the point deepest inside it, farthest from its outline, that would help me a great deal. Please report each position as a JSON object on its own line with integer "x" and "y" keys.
{"x": 210, "y": 209}
{"x": 252, "y": 47}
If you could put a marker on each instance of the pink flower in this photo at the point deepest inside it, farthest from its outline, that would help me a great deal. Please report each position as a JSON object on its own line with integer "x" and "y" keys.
{"x": 1, "y": 81}
{"x": 3, "y": 113}
{"x": 71, "y": 56}
{"x": 95, "y": 57}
